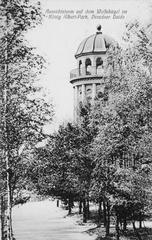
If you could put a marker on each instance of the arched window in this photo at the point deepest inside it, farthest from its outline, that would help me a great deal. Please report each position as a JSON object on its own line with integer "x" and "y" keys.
{"x": 80, "y": 67}
{"x": 100, "y": 94}
{"x": 88, "y": 66}
{"x": 99, "y": 66}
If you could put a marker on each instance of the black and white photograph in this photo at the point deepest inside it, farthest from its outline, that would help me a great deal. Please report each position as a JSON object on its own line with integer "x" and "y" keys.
{"x": 76, "y": 120}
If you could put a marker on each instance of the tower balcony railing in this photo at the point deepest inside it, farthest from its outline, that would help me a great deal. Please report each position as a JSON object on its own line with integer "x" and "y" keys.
{"x": 85, "y": 72}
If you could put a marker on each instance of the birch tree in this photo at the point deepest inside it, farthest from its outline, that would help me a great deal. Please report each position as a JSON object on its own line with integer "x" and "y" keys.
{"x": 23, "y": 111}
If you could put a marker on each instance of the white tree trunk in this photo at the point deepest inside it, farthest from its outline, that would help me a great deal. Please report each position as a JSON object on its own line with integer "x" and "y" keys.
{"x": 6, "y": 150}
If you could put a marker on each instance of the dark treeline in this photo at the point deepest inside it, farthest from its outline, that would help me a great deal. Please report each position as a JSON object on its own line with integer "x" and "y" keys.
{"x": 106, "y": 158}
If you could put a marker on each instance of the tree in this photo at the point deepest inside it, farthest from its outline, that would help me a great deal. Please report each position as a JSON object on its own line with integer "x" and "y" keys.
{"x": 65, "y": 165}
{"x": 24, "y": 112}
{"x": 55, "y": 166}
{"x": 122, "y": 148}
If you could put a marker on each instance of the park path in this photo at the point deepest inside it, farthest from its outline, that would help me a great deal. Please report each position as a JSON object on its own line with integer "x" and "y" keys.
{"x": 44, "y": 221}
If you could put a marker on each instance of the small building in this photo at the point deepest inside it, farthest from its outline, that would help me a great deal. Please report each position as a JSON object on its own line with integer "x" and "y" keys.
{"x": 88, "y": 78}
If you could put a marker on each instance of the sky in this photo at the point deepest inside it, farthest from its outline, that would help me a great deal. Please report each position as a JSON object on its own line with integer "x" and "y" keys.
{"x": 57, "y": 41}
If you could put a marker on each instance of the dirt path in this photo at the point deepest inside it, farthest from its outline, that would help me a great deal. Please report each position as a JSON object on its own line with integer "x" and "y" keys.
{"x": 44, "y": 221}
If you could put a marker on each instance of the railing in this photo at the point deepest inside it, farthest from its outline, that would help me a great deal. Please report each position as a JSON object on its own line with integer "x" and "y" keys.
{"x": 83, "y": 72}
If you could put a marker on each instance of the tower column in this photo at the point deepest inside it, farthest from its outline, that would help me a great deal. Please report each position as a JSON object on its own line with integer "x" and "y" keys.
{"x": 83, "y": 93}
{"x": 94, "y": 70}
{"x": 93, "y": 91}
{"x": 75, "y": 89}
{"x": 74, "y": 102}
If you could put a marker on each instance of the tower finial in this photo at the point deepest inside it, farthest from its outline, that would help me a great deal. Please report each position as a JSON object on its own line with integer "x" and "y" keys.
{"x": 99, "y": 27}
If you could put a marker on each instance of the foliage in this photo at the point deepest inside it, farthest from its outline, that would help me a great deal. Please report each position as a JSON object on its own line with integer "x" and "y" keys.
{"x": 106, "y": 157}
{"x": 24, "y": 111}
{"x": 122, "y": 148}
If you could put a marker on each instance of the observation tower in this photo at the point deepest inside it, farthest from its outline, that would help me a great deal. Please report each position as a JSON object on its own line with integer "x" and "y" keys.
{"x": 88, "y": 78}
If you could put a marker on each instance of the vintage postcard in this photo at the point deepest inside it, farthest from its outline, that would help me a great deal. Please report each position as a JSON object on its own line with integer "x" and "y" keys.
{"x": 76, "y": 119}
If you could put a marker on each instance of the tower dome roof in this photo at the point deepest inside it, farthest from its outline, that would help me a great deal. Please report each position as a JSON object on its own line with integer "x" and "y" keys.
{"x": 96, "y": 43}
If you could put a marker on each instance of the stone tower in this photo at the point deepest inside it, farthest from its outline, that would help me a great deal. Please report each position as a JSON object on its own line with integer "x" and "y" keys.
{"x": 87, "y": 79}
